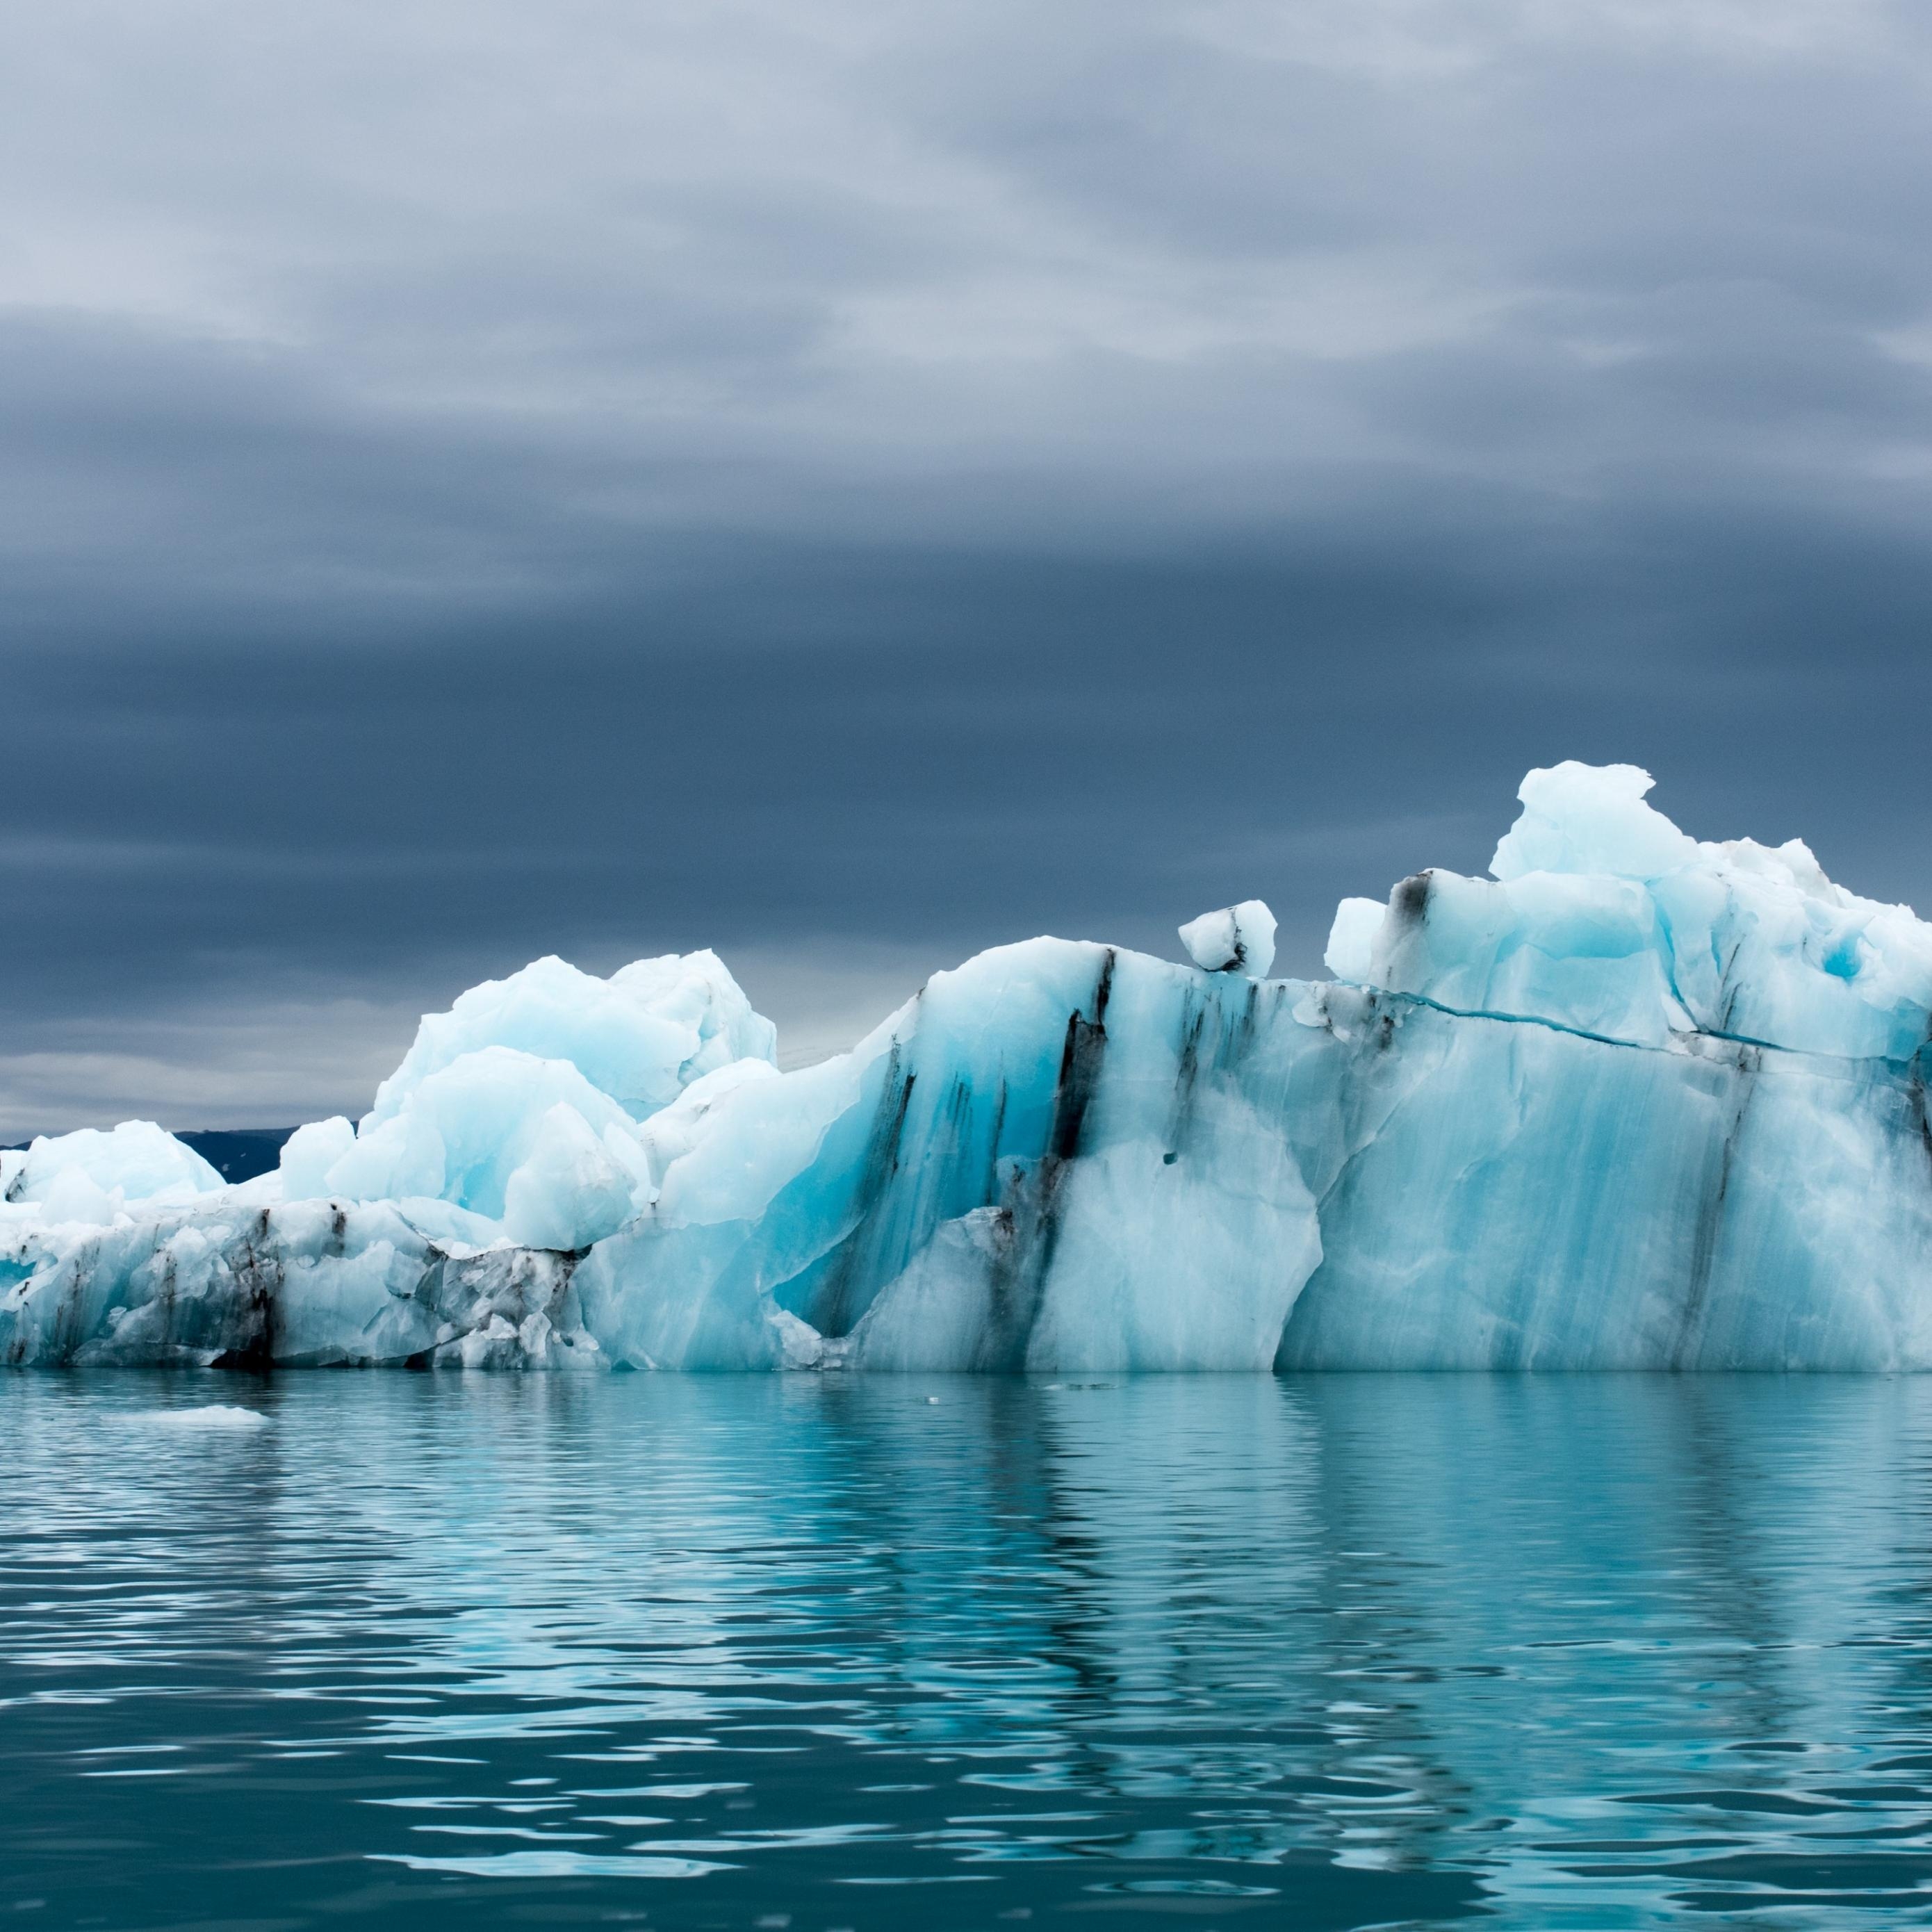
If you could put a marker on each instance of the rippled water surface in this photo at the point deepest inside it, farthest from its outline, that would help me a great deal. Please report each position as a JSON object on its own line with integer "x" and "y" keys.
{"x": 813, "y": 1652}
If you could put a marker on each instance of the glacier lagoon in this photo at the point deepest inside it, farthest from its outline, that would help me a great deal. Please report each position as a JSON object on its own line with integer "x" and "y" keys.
{"x": 810, "y": 1652}
{"x": 1633, "y": 1102}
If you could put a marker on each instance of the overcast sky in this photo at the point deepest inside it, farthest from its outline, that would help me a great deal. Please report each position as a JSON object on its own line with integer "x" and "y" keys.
{"x": 849, "y": 484}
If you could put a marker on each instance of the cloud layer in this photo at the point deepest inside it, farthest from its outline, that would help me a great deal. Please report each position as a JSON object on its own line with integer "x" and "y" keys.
{"x": 850, "y": 485}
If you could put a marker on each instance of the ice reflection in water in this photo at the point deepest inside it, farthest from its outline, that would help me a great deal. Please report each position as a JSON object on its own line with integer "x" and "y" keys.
{"x": 735, "y": 1652}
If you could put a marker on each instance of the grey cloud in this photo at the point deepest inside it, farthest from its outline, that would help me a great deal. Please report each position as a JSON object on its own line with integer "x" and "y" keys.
{"x": 850, "y": 486}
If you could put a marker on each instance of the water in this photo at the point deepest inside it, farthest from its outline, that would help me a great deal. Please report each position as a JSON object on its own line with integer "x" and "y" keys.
{"x": 687, "y": 1652}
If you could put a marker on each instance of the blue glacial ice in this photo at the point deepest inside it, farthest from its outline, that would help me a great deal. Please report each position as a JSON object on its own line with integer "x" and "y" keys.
{"x": 1633, "y": 1102}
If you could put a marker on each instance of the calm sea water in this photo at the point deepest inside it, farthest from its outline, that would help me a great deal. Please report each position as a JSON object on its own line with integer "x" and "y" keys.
{"x": 814, "y": 1652}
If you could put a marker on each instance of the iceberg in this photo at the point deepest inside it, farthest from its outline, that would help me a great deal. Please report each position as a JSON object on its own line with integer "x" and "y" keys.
{"x": 1632, "y": 1101}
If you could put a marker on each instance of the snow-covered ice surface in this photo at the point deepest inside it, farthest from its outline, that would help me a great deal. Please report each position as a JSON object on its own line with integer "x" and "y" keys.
{"x": 1634, "y": 1102}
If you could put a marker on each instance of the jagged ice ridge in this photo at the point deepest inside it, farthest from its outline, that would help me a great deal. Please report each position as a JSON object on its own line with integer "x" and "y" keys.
{"x": 1634, "y": 1102}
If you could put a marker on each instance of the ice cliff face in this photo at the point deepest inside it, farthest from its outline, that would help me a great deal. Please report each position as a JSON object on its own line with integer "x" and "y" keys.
{"x": 1634, "y": 1101}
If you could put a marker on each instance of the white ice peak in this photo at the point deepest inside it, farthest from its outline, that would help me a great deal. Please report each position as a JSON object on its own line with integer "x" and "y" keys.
{"x": 1604, "y": 917}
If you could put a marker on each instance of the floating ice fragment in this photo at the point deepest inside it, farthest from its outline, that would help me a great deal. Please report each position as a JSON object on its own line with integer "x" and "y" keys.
{"x": 216, "y": 1415}
{"x": 1239, "y": 938}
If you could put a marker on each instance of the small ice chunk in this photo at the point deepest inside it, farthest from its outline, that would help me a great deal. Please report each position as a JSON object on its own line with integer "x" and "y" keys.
{"x": 1351, "y": 940}
{"x": 1237, "y": 939}
{"x": 208, "y": 1415}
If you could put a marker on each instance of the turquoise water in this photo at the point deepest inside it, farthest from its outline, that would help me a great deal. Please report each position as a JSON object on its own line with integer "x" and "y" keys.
{"x": 810, "y": 1652}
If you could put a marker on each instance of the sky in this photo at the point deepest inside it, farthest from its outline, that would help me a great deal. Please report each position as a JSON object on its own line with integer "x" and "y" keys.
{"x": 851, "y": 484}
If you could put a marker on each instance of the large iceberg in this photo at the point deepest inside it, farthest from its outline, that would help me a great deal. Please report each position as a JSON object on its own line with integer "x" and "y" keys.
{"x": 1634, "y": 1102}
